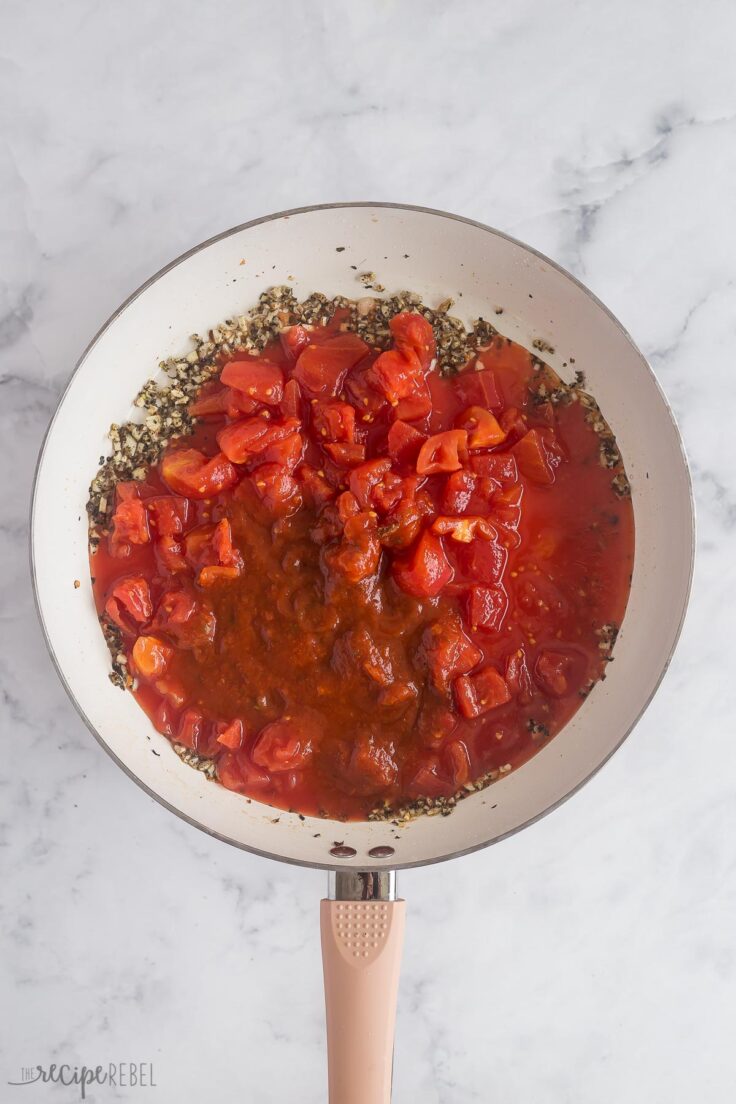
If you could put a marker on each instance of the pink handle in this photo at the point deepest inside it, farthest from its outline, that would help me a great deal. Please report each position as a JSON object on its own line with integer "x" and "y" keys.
{"x": 361, "y": 956}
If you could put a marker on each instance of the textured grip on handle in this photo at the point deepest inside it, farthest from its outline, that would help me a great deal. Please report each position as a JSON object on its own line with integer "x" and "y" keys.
{"x": 361, "y": 955}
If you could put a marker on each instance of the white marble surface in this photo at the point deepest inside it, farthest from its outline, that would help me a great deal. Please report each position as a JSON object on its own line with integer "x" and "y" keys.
{"x": 591, "y": 959}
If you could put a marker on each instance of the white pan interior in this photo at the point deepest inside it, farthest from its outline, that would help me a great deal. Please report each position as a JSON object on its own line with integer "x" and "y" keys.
{"x": 446, "y": 256}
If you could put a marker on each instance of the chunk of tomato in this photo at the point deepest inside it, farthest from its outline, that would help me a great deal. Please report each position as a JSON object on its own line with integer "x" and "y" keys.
{"x": 416, "y": 405}
{"x": 291, "y": 404}
{"x": 321, "y": 369}
{"x": 482, "y": 428}
{"x": 486, "y": 608}
{"x": 483, "y": 561}
{"x": 316, "y": 488}
{"x": 168, "y": 514}
{"x": 230, "y": 735}
{"x": 260, "y": 381}
{"x": 190, "y": 728}
{"x": 372, "y": 766}
{"x": 346, "y": 454}
{"x": 464, "y": 529}
{"x": 425, "y": 570}
{"x": 457, "y": 762}
{"x": 334, "y": 421}
{"x": 129, "y": 521}
{"x": 394, "y": 377}
{"x": 129, "y": 603}
{"x": 277, "y": 489}
{"x": 404, "y": 442}
{"x": 188, "y": 619}
{"x": 479, "y": 693}
{"x": 151, "y": 656}
{"x": 536, "y": 459}
{"x": 552, "y": 673}
{"x": 365, "y": 478}
{"x": 499, "y": 466}
{"x": 443, "y": 452}
{"x": 190, "y": 473}
{"x": 448, "y": 651}
{"x": 236, "y": 771}
{"x": 249, "y": 438}
{"x": 518, "y": 679}
{"x": 169, "y": 554}
{"x": 479, "y": 388}
{"x": 283, "y": 745}
{"x": 458, "y": 492}
{"x": 294, "y": 341}
{"x": 414, "y": 336}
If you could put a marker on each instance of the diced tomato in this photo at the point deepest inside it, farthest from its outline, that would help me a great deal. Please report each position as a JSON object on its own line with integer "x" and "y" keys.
{"x": 215, "y": 401}
{"x": 479, "y": 693}
{"x": 163, "y": 718}
{"x": 249, "y": 438}
{"x": 498, "y": 466}
{"x": 168, "y": 514}
{"x": 358, "y": 554}
{"x": 294, "y": 341}
{"x": 169, "y": 554}
{"x": 483, "y": 561}
{"x": 448, "y": 651}
{"x": 190, "y": 473}
{"x": 478, "y": 388}
{"x": 347, "y": 506}
{"x": 346, "y": 454}
{"x": 291, "y": 404}
{"x": 188, "y": 619}
{"x": 372, "y": 765}
{"x": 259, "y": 380}
{"x": 551, "y": 672}
{"x": 518, "y": 679}
{"x": 436, "y": 721}
{"x": 401, "y": 527}
{"x": 283, "y": 745}
{"x": 321, "y": 369}
{"x": 277, "y": 489}
{"x": 457, "y": 759}
{"x": 172, "y": 690}
{"x": 388, "y": 493}
{"x": 464, "y": 529}
{"x": 287, "y": 452}
{"x": 212, "y": 399}
{"x": 413, "y": 336}
{"x": 129, "y": 521}
{"x": 208, "y": 576}
{"x": 482, "y": 428}
{"x": 513, "y": 422}
{"x": 334, "y": 421}
{"x": 395, "y": 377}
{"x": 535, "y": 459}
{"x": 190, "y": 727}
{"x": 236, "y": 771}
{"x": 316, "y": 488}
{"x": 416, "y": 405}
{"x": 458, "y": 492}
{"x": 425, "y": 570}
{"x": 429, "y": 780}
{"x": 486, "y": 608}
{"x": 129, "y": 604}
{"x": 212, "y": 545}
{"x": 230, "y": 735}
{"x": 442, "y": 452}
{"x": 404, "y": 442}
{"x": 365, "y": 478}
{"x": 151, "y": 656}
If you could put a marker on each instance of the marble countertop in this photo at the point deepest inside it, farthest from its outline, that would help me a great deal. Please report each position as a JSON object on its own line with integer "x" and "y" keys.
{"x": 590, "y": 959}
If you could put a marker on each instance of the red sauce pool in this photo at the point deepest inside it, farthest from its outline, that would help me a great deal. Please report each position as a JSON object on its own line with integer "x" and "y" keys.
{"x": 332, "y": 644}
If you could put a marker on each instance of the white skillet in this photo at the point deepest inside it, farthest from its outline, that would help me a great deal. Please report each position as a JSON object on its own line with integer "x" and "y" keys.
{"x": 435, "y": 254}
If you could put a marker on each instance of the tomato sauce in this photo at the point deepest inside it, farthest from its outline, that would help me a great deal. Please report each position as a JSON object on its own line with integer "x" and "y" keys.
{"x": 357, "y": 584}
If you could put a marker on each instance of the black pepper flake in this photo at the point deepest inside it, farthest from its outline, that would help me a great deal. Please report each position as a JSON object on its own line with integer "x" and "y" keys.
{"x": 339, "y": 248}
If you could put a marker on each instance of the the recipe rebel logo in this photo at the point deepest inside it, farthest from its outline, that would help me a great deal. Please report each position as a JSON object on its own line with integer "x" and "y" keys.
{"x": 117, "y": 1075}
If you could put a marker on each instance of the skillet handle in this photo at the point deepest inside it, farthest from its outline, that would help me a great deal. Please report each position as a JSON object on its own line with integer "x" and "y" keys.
{"x": 361, "y": 956}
